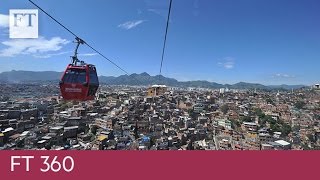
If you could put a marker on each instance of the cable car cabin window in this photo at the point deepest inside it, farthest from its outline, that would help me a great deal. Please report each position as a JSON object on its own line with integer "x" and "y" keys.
{"x": 93, "y": 82}
{"x": 75, "y": 76}
{"x": 93, "y": 77}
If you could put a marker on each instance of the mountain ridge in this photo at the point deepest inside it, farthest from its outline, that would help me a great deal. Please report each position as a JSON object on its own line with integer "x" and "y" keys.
{"x": 144, "y": 78}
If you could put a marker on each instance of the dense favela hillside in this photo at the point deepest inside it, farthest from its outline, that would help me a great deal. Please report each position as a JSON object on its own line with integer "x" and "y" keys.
{"x": 133, "y": 79}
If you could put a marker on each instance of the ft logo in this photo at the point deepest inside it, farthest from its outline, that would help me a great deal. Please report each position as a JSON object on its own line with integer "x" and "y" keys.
{"x": 23, "y": 23}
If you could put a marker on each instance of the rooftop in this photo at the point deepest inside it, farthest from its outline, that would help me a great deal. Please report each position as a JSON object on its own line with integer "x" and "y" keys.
{"x": 71, "y": 127}
{"x": 161, "y": 86}
{"x": 282, "y": 142}
{"x": 250, "y": 123}
{"x": 57, "y": 128}
{"x": 102, "y": 137}
{"x": 8, "y": 130}
{"x": 42, "y": 141}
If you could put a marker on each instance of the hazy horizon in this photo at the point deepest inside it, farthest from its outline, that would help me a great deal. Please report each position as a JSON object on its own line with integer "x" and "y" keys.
{"x": 223, "y": 83}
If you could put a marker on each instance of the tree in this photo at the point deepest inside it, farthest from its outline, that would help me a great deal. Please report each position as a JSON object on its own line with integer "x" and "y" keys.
{"x": 275, "y": 128}
{"x": 136, "y": 135}
{"x": 25, "y": 105}
{"x": 286, "y": 129}
{"x": 305, "y": 147}
{"x": 20, "y": 143}
{"x": 246, "y": 119}
{"x": 270, "y": 101}
{"x": 300, "y": 104}
{"x": 259, "y": 113}
{"x": 311, "y": 138}
{"x": 224, "y": 108}
{"x": 190, "y": 145}
{"x": 271, "y": 120}
{"x": 212, "y": 100}
{"x": 192, "y": 114}
{"x": 235, "y": 124}
{"x": 266, "y": 118}
{"x": 296, "y": 128}
{"x": 63, "y": 106}
{"x": 152, "y": 141}
{"x": 94, "y": 129}
{"x": 48, "y": 146}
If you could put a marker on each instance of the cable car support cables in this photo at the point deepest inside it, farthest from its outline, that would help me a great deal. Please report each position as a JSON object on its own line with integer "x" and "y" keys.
{"x": 165, "y": 37}
{"x": 77, "y": 37}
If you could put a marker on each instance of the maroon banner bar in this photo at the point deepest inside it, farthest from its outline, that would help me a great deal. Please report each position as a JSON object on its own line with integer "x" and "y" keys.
{"x": 162, "y": 165}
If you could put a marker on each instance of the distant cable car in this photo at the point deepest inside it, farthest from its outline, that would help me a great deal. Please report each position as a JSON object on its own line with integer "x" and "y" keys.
{"x": 79, "y": 82}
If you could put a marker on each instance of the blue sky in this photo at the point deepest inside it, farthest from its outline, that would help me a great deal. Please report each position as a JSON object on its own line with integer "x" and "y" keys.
{"x": 225, "y": 41}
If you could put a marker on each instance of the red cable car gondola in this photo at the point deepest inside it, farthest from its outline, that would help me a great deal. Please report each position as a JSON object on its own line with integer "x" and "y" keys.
{"x": 79, "y": 82}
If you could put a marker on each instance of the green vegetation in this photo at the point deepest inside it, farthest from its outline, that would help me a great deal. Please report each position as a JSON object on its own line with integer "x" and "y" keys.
{"x": 246, "y": 119}
{"x": 295, "y": 128}
{"x": 94, "y": 129}
{"x": 300, "y": 104}
{"x": 286, "y": 129}
{"x": 305, "y": 147}
{"x": 275, "y": 125}
{"x": 64, "y": 106}
{"x": 258, "y": 112}
{"x": 311, "y": 138}
{"x": 235, "y": 124}
{"x": 266, "y": 118}
{"x": 192, "y": 114}
{"x": 270, "y": 101}
{"x": 20, "y": 143}
{"x": 280, "y": 126}
{"x": 224, "y": 108}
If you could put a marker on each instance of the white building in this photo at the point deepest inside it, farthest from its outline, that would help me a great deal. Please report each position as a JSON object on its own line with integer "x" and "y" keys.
{"x": 222, "y": 90}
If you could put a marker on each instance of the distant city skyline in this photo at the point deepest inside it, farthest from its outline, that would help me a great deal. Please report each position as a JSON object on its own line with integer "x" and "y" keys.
{"x": 267, "y": 42}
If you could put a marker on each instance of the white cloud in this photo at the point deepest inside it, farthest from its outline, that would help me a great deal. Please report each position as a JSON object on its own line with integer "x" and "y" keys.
{"x": 44, "y": 56}
{"x": 157, "y": 7}
{"x": 227, "y": 63}
{"x": 130, "y": 24}
{"x": 4, "y": 21}
{"x": 62, "y": 53}
{"x": 154, "y": 11}
{"x": 163, "y": 12}
{"x": 280, "y": 75}
{"x": 40, "y": 47}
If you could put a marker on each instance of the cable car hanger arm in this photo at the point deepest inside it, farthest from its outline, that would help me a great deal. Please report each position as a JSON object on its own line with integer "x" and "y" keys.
{"x": 75, "y": 56}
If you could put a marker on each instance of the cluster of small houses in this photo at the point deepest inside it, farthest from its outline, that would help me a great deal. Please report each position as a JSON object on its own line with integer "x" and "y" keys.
{"x": 156, "y": 119}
